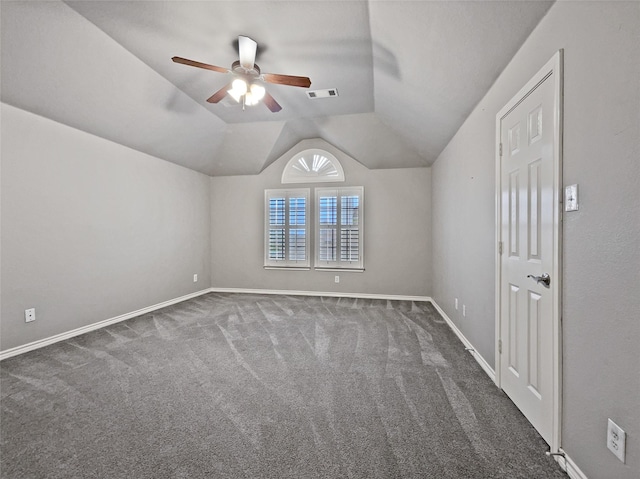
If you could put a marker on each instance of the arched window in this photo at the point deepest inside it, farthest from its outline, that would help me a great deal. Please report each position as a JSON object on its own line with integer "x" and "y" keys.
{"x": 313, "y": 166}
{"x": 334, "y": 239}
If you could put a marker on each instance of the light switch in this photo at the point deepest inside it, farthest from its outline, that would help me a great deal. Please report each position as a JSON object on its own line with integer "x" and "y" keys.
{"x": 571, "y": 198}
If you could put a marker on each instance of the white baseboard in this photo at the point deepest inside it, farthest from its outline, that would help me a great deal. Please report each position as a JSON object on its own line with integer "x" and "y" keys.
{"x": 330, "y": 294}
{"x": 8, "y": 353}
{"x": 478, "y": 357}
{"x": 565, "y": 462}
{"x": 570, "y": 467}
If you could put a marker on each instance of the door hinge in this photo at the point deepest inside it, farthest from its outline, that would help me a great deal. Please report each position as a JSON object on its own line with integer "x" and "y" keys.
{"x": 499, "y": 247}
{"x": 500, "y": 346}
{"x": 500, "y": 148}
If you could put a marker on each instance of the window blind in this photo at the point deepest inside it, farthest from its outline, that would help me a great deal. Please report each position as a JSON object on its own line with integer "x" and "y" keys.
{"x": 287, "y": 228}
{"x": 339, "y": 228}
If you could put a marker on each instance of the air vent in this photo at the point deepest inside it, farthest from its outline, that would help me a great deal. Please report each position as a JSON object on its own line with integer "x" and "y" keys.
{"x": 331, "y": 92}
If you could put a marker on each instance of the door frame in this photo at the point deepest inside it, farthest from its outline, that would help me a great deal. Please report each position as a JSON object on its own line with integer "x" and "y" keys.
{"x": 553, "y": 66}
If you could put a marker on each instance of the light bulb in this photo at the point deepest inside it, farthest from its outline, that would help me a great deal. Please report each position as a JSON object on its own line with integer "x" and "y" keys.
{"x": 257, "y": 92}
{"x": 250, "y": 99}
{"x": 236, "y": 96}
{"x": 239, "y": 86}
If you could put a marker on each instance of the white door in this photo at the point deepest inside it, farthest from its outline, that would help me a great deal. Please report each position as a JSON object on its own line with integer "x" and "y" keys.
{"x": 528, "y": 234}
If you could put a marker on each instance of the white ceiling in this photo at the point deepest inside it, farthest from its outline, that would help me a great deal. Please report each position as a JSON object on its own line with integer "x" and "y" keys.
{"x": 407, "y": 73}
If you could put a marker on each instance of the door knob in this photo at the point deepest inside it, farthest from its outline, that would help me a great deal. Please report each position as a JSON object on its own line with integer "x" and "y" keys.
{"x": 545, "y": 279}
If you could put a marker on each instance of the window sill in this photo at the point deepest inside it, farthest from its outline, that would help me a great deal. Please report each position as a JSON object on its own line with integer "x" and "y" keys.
{"x": 289, "y": 268}
{"x": 347, "y": 270}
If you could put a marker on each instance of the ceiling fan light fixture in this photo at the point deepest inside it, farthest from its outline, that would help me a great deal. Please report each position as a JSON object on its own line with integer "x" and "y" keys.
{"x": 247, "y": 70}
{"x": 252, "y": 94}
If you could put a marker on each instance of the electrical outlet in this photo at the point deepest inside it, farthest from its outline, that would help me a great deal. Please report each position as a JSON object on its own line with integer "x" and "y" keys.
{"x": 456, "y": 303}
{"x": 195, "y": 278}
{"x": 616, "y": 439}
{"x": 337, "y": 279}
{"x": 464, "y": 311}
{"x": 29, "y": 315}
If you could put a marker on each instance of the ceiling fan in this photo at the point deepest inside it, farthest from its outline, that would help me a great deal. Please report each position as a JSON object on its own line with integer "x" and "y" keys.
{"x": 246, "y": 87}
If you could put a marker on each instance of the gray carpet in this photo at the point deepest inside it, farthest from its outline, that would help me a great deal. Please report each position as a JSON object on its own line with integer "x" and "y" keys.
{"x": 258, "y": 386}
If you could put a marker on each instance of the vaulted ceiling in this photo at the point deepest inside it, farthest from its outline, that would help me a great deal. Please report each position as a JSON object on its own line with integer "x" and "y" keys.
{"x": 407, "y": 73}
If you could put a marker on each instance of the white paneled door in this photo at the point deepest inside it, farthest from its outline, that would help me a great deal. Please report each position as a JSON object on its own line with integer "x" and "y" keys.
{"x": 528, "y": 252}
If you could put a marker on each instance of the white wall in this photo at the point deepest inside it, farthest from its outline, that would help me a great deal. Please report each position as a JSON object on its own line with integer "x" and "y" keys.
{"x": 601, "y": 289}
{"x": 92, "y": 229}
{"x": 397, "y": 207}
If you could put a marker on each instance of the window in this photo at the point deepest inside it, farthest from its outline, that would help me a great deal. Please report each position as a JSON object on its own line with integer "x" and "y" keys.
{"x": 313, "y": 166}
{"x": 287, "y": 228}
{"x": 339, "y": 229}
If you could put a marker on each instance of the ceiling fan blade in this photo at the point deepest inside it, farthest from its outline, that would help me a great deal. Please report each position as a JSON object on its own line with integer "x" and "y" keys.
{"x": 304, "y": 82}
{"x": 271, "y": 103}
{"x": 194, "y": 63}
{"x": 247, "y": 49}
{"x": 220, "y": 94}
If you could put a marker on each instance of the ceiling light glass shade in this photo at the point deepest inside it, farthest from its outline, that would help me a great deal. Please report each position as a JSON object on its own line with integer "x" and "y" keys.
{"x": 250, "y": 99}
{"x": 236, "y": 96}
{"x": 239, "y": 86}
{"x": 257, "y": 92}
